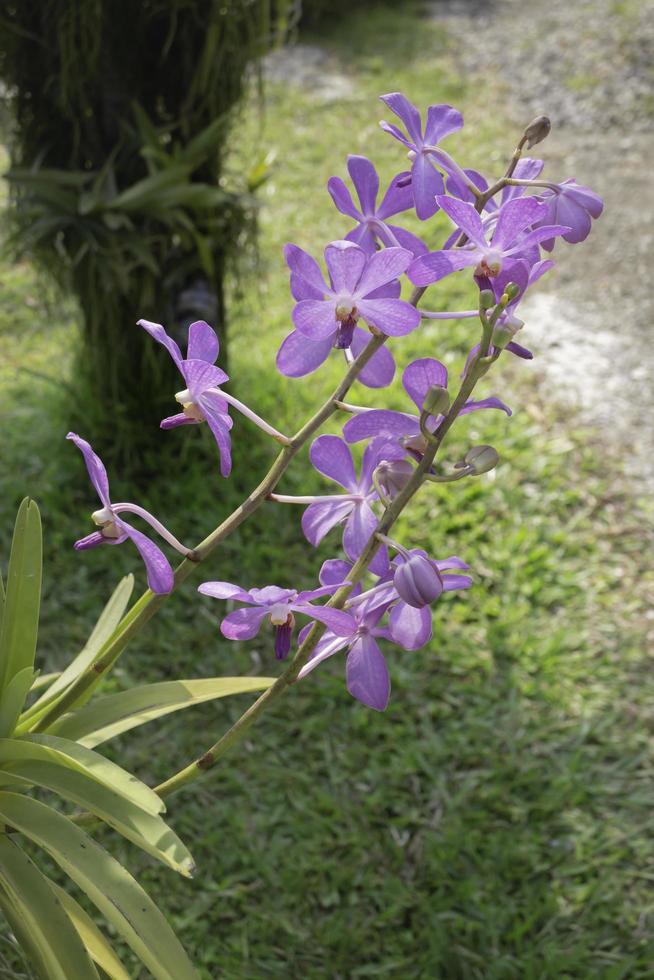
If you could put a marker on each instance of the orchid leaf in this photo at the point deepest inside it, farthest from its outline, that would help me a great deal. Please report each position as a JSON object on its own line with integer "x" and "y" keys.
{"x": 109, "y": 619}
{"x": 147, "y": 831}
{"x": 43, "y": 680}
{"x": 114, "y": 714}
{"x": 109, "y": 886}
{"x": 61, "y": 953}
{"x": 20, "y": 621}
{"x": 13, "y": 699}
{"x": 62, "y": 752}
{"x": 96, "y": 945}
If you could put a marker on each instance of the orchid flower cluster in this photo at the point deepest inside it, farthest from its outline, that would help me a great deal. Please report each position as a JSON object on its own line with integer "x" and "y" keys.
{"x": 379, "y": 591}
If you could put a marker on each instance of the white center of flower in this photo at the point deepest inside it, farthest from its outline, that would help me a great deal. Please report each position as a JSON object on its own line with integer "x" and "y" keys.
{"x": 279, "y": 614}
{"x": 490, "y": 264}
{"x": 345, "y": 309}
{"x": 191, "y": 410}
{"x": 104, "y": 518}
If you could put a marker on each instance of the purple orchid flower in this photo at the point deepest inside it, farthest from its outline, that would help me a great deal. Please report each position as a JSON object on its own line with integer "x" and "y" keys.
{"x": 418, "y": 378}
{"x": 573, "y": 205}
{"x": 410, "y": 628}
{"x": 353, "y": 293}
{"x": 325, "y": 317}
{"x": 278, "y": 605}
{"x": 114, "y": 530}
{"x": 201, "y": 400}
{"x": 442, "y": 120}
{"x": 509, "y": 241}
{"x": 333, "y": 458}
{"x": 371, "y": 220}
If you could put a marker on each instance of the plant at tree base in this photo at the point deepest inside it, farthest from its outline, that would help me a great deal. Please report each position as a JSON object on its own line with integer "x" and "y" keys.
{"x": 49, "y": 727}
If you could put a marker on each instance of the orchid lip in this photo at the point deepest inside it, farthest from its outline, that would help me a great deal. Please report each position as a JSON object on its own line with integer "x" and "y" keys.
{"x": 279, "y": 614}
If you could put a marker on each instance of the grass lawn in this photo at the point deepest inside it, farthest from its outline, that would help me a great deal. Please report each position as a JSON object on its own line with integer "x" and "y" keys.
{"x": 496, "y": 822}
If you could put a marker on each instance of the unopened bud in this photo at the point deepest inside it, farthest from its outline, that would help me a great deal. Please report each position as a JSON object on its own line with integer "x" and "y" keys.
{"x": 418, "y": 581}
{"x": 486, "y": 299}
{"x": 393, "y": 475}
{"x": 536, "y": 131}
{"x": 504, "y": 332}
{"x": 437, "y": 400}
{"x": 512, "y": 289}
{"x": 481, "y": 459}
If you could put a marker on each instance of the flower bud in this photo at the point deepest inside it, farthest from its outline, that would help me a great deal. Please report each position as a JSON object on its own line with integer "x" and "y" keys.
{"x": 418, "y": 581}
{"x": 512, "y": 289}
{"x": 437, "y": 400}
{"x": 486, "y": 299}
{"x": 504, "y": 332}
{"x": 481, "y": 459}
{"x": 536, "y": 131}
{"x": 393, "y": 475}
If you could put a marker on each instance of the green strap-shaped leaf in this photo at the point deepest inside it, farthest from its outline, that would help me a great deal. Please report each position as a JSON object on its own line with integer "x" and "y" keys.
{"x": 106, "y": 717}
{"x": 61, "y": 952}
{"x": 20, "y": 622}
{"x": 105, "y": 626}
{"x": 13, "y": 699}
{"x": 63, "y": 752}
{"x": 147, "y": 831}
{"x": 97, "y": 946}
{"x": 107, "y": 883}
{"x": 44, "y": 680}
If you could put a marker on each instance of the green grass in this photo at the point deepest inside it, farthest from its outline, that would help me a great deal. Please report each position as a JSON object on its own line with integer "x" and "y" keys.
{"x": 496, "y": 821}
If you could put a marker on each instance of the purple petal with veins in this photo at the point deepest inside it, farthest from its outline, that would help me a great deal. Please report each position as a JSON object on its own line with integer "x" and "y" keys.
{"x": 367, "y": 674}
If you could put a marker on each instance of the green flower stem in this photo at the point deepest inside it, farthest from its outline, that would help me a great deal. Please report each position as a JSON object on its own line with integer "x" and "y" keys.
{"x": 148, "y": 604}
{"x": 234, "y": 735}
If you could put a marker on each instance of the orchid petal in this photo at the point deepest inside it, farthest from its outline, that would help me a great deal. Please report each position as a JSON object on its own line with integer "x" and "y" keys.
{"x": 427, "y": 184}
{"x": 380, "y": 421}
{"x": 380, "y": 369}
{"x": 420, "y": 375}
{"x": 366, "y": 181}
{"x": 436, "y": 265}
{"x": 95, "y": 468}
{"x": 398, "y": 197}
{"x": 514, "y": 217}
{"x": 299, "y": 356}
{"x": 243, "y": 624}
{"x": 332, "y": 457}
{"x": 367, "y": 674}
{"x": 407, "y": 112}
{"x": 202, "y": 342}
{"x": 319, "y": 518}
{"x": 381, "y": 268}
{"x": 315, "y": 319}
{"x": 441, "y": 121}
{"x": 224, "y": 590}
{"x": 394, "y": 317}
{"x": 409, "y": 627}
{"x": 159, "y": 573}
{"x": 464, "y": 217}
{"x": 342, "y": 198}
{"x": 345, "y": 262}
{"x": 303, "y": 266}
{"x": 159, "y": 334}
